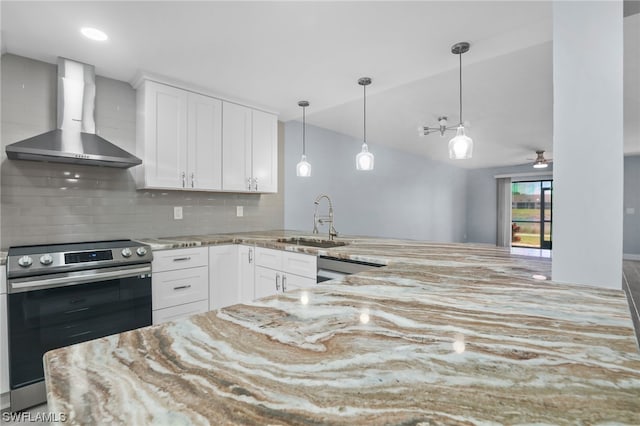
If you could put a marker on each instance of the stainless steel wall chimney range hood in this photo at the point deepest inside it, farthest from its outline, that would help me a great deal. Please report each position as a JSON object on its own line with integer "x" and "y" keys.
{"x": 74, "y": 141}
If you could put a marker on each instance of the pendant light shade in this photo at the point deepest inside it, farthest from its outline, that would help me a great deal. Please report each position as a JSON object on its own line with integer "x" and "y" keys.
{"x": 461, "y": 145}
{"x": 364, "y": 159}
{"x": 303, "y": 168}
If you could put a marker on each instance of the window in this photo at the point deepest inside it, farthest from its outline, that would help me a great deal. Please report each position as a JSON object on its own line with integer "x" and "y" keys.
{"x": 531, "y": 214}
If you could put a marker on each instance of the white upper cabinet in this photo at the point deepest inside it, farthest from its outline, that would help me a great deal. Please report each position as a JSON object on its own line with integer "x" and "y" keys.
{"x": 236, "y": 157}
{"x": 204, "y": 147}
{"x": 250, "y": 149}
{"x": 190, "y": 141}
{"x": 265, "y": 152}
{"x": 179, "y": 139}
{"x": 162, "y": 135}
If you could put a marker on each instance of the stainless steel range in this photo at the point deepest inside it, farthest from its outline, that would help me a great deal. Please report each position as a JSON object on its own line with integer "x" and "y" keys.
{"x": 59, "y": 295}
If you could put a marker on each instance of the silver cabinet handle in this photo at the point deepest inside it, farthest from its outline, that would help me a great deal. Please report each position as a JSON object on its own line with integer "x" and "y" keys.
{"x": 180, "y": 259}
{"x": 184, "y": 178}
{"x": 284, "y": 283}
{"x": 193, "y": 177}
{"x": 277, "y": 282}
{"x": 255, "y": 184}
{"x": 181, "y": 287}
{"x": 250, "y": 255}
{"x": 249, "y": 184}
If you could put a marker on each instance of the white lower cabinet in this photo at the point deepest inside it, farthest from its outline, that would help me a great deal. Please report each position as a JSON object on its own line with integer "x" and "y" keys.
{"x": 293, "y": 282}
{"x": 268, "y": 282}
{"x": 224, "y": 288}
{"x": 277, "y": 271}
{"x": 180, "y": 311}
{"x": 180, "y": 283}
{"x": 246, "y": 273}
{"x": 181, "y": 286}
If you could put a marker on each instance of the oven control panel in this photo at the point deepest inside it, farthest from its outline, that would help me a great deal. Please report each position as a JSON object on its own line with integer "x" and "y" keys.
{"x": 47, "y": 259}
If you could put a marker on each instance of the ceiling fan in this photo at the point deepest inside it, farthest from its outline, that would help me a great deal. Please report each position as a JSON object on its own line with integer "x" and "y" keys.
{"x": 540, "y": 162}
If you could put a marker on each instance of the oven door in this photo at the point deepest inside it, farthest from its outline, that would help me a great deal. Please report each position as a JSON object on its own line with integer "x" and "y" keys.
{"x": 52, "y": 311}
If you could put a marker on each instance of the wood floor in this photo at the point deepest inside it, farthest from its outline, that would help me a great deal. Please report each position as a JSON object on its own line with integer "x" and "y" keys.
{"x": 631, "y": 285}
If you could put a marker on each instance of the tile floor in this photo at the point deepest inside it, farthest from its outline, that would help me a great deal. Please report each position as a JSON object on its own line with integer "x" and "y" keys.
{"x": 631, "y": 285}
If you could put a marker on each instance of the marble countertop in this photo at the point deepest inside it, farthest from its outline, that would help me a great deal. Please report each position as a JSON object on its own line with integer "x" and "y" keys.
{"x": 444, "y": 334}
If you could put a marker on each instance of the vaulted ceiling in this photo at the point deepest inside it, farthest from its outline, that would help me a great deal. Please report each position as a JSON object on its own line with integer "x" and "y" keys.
{"x": 273, "y": 54}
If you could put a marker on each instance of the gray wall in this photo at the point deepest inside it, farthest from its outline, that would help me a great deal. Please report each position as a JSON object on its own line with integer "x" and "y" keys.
{"x": 631, "y": 227}
{"x": 405, "y": 196}
{"x": 46, "y": 202}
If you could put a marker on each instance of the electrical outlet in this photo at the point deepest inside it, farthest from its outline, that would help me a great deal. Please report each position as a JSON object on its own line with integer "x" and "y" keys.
{"x": 631, "y": 210}
{"x": 177, "y": 213}
{"x": 239, "y": 211}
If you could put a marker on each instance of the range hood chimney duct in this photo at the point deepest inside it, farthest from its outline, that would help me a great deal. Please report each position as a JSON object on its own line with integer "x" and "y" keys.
{"x": 74, "y": 141}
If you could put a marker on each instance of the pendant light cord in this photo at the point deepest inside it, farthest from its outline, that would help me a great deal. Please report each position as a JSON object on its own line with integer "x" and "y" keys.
{"x": 460, "y": 57}
{"x": 304, "y": 127}
{"x": 365, "y": 113}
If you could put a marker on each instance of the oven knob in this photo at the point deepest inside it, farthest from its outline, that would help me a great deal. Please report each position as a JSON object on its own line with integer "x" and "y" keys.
{"x": 46, "y": 259}
{"x": 141, "y": 251}
{"x": 25, "y": 261}
{"x": 126, "y": 252}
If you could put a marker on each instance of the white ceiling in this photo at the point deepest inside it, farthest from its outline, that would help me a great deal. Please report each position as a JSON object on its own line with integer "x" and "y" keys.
{"x": 272, "y": 54}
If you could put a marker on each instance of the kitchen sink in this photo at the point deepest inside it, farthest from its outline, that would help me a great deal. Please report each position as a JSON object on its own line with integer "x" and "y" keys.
{"x": 312, "y": 243}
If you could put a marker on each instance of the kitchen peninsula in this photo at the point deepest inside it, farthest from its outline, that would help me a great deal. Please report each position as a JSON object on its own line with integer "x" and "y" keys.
{"x": 444, "y": 334}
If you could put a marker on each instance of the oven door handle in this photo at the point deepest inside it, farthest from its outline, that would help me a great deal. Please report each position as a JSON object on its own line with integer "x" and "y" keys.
{"x": 74, "y": 278}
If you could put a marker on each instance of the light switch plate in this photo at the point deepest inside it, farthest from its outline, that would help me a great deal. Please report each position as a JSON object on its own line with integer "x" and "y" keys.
{"x": 631, "y": 210}
{"x": 177, "y": 213}
{"x": 239, "y": 211}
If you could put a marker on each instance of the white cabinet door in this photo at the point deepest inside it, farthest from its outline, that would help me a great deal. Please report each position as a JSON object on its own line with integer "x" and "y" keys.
{"x": 165, "y": 159}
{"x": 181, "y": 311}
{"x": 265, "y": 151}
{"x": 224, "y": 284}
{"x": 246, "y": 262}
{"x": 268, "y": 282}
{"x": 204, "y": 148}
{"x": 236, "y": 147}
{"x": 293, "y": 282}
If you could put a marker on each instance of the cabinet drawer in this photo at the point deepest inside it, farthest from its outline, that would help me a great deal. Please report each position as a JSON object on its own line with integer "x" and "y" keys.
{"x": 170, "y": 260}
{"x": 293, "y": 282}
{"x": 269, "y": 258}
{"x": 173, "y": 288}
{"x": 178, "y": 312}
{"x": 299, "y": 264}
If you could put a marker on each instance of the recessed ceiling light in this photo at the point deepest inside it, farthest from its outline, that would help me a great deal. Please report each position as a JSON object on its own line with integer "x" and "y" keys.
{"x": 94, "y": 34}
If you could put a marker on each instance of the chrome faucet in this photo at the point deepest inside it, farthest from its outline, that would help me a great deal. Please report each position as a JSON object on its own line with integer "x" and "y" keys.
{"x": 317, "y": 219}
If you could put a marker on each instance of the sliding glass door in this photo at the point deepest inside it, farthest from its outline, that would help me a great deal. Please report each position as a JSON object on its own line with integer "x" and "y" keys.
{"x": 531, "y": 214}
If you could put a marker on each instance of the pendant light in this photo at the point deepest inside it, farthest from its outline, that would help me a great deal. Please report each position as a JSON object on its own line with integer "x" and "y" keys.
{"x": 364, "y": 159}
{"x": 303, "y": 168}
{"x": 461, "y": 145}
